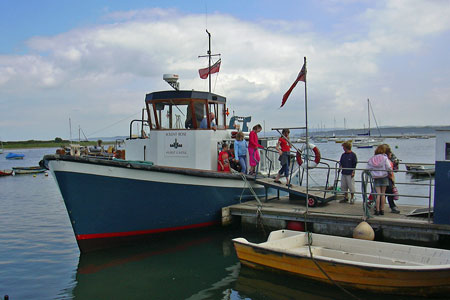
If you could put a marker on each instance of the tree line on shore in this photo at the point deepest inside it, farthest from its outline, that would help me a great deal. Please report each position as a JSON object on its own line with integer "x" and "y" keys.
{"x": 57, "y": 142}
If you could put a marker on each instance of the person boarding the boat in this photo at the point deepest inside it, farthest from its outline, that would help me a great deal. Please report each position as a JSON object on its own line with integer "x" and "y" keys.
{"x": 253, "y": 146}
{"x": 347, "y": 164}
{"x": 240, "y": 151}
{"x": 234, "y": 164}
{"x": 379, "y": 167}
{"x": 223, "y": 162}
{"x": 284, "y": 149}
{"x": 204, "y": 123}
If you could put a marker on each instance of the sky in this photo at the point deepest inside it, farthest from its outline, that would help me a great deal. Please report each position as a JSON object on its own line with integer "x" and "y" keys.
{"x": 70, "y": 65}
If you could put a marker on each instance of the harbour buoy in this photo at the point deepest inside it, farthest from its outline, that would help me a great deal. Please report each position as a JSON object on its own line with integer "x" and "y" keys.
{"x": 295, "y": 225}
{"x": 363, "y": 232}
{"x": 34, "y": 175}
{"x": 46, "y": 173}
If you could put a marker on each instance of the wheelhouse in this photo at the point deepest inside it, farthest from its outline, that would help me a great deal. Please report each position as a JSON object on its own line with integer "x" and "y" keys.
{"x": 169, "y": 110}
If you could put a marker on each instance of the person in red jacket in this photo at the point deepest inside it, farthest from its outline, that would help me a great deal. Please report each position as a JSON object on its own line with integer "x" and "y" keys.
{"x": 284, "y": 149}
{"x": 223, "y": 162}
{"x": 253, "y": 146}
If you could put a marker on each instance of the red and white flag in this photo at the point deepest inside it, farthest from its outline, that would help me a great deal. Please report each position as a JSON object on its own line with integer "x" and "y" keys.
{"x": 214, "y": 69}
{"x": 301, "y": 77}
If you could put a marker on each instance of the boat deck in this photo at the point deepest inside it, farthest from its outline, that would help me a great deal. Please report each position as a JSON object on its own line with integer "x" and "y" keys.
{"x": 341, "y": 218}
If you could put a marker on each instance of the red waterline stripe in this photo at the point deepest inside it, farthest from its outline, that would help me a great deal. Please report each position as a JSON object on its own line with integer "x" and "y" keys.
{"x": 140, "y": 232}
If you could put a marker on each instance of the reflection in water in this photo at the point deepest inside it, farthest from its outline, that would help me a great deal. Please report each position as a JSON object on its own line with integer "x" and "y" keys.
{"x": 269, "y": 285}
{"x": 199, "y": 265}
{"x": 192, "y": 265}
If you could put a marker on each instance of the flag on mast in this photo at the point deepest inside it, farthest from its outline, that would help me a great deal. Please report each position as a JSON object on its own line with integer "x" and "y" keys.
{"x": 300, "y": 77}
{"x": 206, "y": 71}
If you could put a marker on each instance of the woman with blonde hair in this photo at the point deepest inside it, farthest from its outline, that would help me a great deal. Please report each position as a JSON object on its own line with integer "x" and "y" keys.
{"x": 379, "y": 167}
{"x": 240, "y": 151}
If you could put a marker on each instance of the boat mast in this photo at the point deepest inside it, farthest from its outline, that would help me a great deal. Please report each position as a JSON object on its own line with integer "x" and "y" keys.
{"x": 368, "y": 112}
{"x": 306, "y": 138}
{"x": 209, "y": 55}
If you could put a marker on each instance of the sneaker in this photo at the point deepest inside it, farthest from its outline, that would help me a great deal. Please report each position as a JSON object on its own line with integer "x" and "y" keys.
{"x": 394, "y": 210}
{"x": 382, "y": 212}
{"x": 352, "y": 201}
{"x": 376, "y": 213}
{"x": 345, "y": 200}
{"x": 288, "y": 184}
{"x": 277, "y": 181}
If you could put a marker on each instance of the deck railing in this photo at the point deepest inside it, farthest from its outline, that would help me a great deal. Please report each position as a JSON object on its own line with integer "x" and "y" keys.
{"x": 329, "y": 182}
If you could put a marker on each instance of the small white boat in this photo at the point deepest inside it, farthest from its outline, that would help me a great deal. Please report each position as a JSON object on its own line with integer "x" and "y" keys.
{"x": 320, "y": 140}
{"x": 419, "y": 169}
{"x": 367, "y": 265}
{"x": 28, "y": 170}
{"x": 367, "y": 142}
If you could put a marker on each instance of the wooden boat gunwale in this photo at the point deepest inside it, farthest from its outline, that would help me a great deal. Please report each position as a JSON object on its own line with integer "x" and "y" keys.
{"x": 264, "y": 247}
{"x": 407, "y": 280}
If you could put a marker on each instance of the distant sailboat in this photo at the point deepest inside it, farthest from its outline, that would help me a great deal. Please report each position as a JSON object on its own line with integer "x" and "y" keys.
{"x": 368, "y": 141}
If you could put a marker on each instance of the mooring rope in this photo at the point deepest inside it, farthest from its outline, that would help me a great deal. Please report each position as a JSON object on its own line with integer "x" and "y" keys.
{"x": 260, "y": 205}
{"x": 324, "y": 272}
{"x": 305, "y": 216}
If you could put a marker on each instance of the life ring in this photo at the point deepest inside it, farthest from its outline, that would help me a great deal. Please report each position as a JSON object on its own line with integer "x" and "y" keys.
{"x": 315, "y": 150}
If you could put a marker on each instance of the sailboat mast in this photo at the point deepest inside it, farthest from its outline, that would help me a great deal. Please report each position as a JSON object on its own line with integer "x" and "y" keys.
{"x": 368, "y": 112}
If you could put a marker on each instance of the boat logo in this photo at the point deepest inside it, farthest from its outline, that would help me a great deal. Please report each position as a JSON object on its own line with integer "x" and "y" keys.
{"x": 176, "y": 144}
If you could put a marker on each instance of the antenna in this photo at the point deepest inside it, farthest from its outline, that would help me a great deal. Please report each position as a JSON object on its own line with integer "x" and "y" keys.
{"x": 70, "y": 129}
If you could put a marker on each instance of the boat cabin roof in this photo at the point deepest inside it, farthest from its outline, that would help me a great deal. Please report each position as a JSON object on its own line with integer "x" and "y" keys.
{"x": 183, "y": 95}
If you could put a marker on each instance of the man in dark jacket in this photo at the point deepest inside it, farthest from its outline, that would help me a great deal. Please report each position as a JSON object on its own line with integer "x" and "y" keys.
{"x": 347, "y": 164}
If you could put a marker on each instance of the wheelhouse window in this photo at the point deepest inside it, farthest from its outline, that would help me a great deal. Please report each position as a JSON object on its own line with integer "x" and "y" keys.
{"x": 185, "y": 114}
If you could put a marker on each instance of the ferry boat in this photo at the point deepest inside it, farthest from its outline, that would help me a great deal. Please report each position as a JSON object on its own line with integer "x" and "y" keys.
{"x": 166, "y": 180}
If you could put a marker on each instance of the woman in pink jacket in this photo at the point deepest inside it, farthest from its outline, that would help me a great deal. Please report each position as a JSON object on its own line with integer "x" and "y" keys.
{"x": 253, "y": 148}
{"x": 379, "y": 167}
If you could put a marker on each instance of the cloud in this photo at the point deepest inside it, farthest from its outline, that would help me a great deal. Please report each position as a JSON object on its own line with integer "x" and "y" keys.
{"x": 101, "y": 73}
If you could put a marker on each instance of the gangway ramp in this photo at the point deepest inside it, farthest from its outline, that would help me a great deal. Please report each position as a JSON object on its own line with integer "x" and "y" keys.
{"x": 316, "y": 195}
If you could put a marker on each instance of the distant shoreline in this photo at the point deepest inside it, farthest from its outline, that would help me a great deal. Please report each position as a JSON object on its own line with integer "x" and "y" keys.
{"x": 45, "y": 144}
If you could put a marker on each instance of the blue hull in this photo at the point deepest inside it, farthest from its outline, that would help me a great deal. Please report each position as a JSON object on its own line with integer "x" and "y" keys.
{"x": 103, "y": 209}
